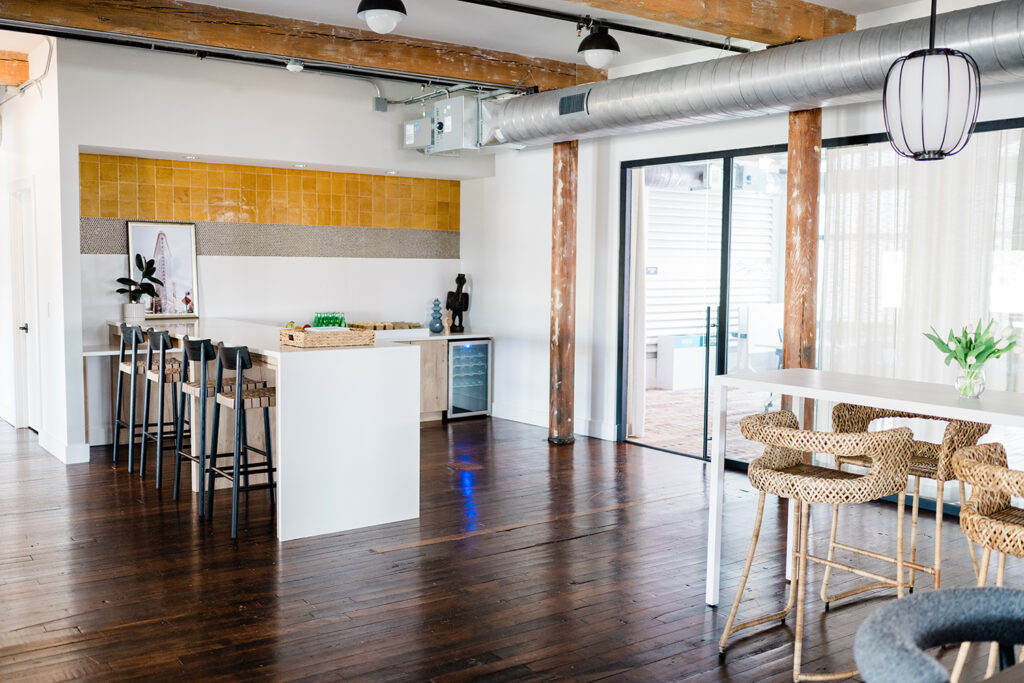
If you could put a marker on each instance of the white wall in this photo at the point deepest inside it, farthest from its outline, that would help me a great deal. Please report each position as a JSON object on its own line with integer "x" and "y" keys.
{"x": 29, "y": 153}
{"x": 123, "y": 100}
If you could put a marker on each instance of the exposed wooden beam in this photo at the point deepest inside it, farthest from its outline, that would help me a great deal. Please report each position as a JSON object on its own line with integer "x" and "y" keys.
{"x": 13, "y": 68}
{"x": 799, "y": 336}
{"x": 563, "y": 292}
{"x": 763, "y": 21}
{"x": 216, "y": 27}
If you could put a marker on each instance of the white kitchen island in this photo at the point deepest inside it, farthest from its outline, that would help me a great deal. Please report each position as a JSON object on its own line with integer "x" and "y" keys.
{"x": 347, "y": 427}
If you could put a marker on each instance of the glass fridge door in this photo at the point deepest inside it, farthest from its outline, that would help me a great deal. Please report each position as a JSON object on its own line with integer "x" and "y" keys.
{"x": 469, "y": 378}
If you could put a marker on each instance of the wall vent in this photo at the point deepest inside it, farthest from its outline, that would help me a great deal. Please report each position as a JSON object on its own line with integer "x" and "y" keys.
{"x": 573, "y": 104}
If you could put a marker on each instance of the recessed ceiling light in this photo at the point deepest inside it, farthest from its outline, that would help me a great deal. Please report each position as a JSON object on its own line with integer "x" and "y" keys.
{"x": 191, "y": 157}
{"x": 390, "y": 172}
{"x": 300, "y": 166}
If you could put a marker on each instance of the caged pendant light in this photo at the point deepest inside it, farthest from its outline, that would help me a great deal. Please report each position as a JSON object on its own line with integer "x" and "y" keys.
{"x": 930, "y": 101}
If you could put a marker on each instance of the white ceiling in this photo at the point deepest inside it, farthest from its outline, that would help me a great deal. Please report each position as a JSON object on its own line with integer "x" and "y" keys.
{"x": 856, "y": 7}
{"x": 451, "y": 21}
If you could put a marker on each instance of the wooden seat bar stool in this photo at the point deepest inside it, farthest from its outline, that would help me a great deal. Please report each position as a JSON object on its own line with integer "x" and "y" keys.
{"x": 201, "y": 352}
{"x": 990, "y": 519}
{"x": 781, "y": 471}
{"x": 929, "y": 461}
{"x": 161, "y": 371}
{"x": 240, "y": 399}
{"x": 131, "y": 338}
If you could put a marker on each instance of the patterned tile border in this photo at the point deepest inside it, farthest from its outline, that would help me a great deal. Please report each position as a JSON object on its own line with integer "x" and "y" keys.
{"x": 110, "y": 236}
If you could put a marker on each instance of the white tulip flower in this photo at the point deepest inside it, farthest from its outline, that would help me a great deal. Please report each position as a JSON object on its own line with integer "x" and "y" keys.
{"x": 971, "y": 360}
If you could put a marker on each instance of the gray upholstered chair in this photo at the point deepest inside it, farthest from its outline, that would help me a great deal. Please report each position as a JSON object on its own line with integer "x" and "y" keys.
{"x": 890, "y": 645}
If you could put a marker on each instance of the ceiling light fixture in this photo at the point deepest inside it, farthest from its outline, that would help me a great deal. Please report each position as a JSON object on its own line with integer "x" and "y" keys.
{"x": 191, "y": 157}
{"x": 391, "y": 172}
{"x": 930, "y": 101}
{"x": 599, "y": 48}
{"x": 300, "y": 165}
{"x": 382, "y": 16}
{"x": 294, "y": 65}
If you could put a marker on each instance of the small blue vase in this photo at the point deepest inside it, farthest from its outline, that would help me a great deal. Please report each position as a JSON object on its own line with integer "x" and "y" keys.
{"x": 435, "y": 318}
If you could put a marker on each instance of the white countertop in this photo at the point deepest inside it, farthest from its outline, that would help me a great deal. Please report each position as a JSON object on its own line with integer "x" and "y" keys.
{"x": 265, "y": 339}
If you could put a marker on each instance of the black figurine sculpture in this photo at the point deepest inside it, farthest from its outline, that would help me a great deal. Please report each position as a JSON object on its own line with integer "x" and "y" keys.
{"x": 458, "y": 303}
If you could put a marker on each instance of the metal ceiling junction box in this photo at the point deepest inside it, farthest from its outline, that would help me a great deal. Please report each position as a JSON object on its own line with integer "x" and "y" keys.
{"x": 418, "y": 133}
{"x": 455, "y": 124}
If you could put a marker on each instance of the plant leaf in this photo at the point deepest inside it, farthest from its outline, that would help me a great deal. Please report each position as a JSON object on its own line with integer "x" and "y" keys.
{"x": 148, "y": 289}
{"x": 122, "y": 290}
{"x": 140, "y": 263}
{"x": 157, "y": 281}
{"x": 127, "y": 281}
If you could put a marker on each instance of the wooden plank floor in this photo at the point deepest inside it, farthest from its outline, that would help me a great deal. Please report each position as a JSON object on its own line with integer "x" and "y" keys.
{"x": 528, "y": 562}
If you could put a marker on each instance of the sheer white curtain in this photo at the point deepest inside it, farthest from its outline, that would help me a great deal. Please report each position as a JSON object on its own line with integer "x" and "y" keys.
{"x": 637, "y": 370}
{"x": 909, "y": 245}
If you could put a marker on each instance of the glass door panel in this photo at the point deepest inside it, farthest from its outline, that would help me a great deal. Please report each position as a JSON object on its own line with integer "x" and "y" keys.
{"x": 680, "y": 216}
{"x": 757, "y": 266}
{"x": 469, "y": 381}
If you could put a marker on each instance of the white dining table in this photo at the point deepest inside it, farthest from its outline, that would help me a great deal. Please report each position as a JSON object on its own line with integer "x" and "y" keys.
{"x": 940, "y": 400}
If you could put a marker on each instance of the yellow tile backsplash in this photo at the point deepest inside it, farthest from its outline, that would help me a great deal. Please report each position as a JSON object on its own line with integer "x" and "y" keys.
{"x": 161, "y": 189}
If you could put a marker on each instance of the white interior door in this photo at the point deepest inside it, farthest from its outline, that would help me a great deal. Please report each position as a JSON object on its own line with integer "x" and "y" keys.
{"x": 28, "y": 405}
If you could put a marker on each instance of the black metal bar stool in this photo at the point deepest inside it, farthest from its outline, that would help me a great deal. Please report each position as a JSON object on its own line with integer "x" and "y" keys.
{"x": 160, "y": 370}
{"x": 240, "y": 400}
{"x": 199, "y": 351}
{"x": 131, "y": 337}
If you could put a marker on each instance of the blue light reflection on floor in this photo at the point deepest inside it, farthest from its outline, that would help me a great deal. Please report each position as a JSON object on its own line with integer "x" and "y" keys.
{"x": 466, "y": 484}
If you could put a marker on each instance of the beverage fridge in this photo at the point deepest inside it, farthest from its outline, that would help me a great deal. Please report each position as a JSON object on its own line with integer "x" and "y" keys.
{"x": 469, "y": 378}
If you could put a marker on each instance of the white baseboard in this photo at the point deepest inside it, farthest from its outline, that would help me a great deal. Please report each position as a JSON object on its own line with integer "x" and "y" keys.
{"x": 606, "y": 431}
{"x": 69, "y": 454}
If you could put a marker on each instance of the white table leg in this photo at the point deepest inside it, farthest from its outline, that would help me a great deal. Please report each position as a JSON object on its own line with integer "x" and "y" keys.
{"x": 716, "y": 499}
{"x": 798, "y": 410}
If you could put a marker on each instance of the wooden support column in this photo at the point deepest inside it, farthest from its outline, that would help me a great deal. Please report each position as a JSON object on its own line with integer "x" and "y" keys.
{"x": 563, "y": 292}
{"x": 799, "y": 338}
{"x": 13, "y": 68}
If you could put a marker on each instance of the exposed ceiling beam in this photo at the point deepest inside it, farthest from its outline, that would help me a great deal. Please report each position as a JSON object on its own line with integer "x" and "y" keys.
{"x": 13, "y": 68}
{"x": 762, "y": 21}
{"x": 216, "y": 27}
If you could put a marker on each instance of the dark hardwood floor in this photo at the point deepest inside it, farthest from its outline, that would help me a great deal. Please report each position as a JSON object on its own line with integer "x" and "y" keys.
{"x": 528, "y": 562}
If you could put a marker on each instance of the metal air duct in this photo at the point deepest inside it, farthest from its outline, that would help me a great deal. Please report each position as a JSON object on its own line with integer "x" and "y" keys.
{"x": 846, "y": 68}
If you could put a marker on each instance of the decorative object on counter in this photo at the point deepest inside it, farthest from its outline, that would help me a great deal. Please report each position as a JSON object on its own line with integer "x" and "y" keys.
{"x": 446, "y": 322}
{"x": 134, "y": 312}
{"x": 312, "y": 338}
{"x": 435, "y": 318}
{"x": 971, "y": 350}
{"x": 173, "y": 246}
{"x": 333, "y": 319}
{"x": 385, "y": 326}
{"x": 458, "y": 303}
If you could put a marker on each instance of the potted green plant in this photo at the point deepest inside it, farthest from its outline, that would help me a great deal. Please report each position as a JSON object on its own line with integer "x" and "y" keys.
{"x": 971, "y": 350}
{"x": 134, "y": 311}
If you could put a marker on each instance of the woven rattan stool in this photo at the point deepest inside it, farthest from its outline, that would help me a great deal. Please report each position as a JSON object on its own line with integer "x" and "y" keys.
{"x": 930, "y": 461}
{"x": 201, "y": 352}
{"x": 240, "y": 399}
{"x": 989, "y": 519}
{"x": 131, "y": 337}
{"x": 161, "y": 371}
{"x": 781, "y": 471}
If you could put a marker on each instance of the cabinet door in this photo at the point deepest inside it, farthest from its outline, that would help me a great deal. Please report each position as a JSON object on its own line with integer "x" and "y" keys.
{"x": 433, "y": 375}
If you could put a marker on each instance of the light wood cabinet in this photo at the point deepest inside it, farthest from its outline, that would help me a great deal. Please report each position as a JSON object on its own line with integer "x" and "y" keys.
{"x": 433, "y": 375}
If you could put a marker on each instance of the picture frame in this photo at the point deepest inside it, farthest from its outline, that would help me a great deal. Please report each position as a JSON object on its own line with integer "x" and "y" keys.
{"x": 173, "y": 247}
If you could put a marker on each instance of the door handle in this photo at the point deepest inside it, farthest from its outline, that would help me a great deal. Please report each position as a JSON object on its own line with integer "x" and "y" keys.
{"x": 24, "y": 328}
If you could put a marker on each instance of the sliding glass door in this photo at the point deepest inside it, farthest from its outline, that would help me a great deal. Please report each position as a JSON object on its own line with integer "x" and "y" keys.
{"x": 702, "y": 283}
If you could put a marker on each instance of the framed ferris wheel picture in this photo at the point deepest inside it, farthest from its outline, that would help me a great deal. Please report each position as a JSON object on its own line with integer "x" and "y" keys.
{"x": 172, "y": 247}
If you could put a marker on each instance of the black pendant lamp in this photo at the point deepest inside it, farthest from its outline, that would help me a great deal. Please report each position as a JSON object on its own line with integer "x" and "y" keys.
{"x": 598, "y": 48}
{"x": 382, "y": 16}
{"x": 930, "y": 101}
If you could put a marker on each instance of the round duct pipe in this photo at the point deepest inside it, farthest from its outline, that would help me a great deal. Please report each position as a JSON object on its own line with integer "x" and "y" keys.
{"x": 846, "y": 68}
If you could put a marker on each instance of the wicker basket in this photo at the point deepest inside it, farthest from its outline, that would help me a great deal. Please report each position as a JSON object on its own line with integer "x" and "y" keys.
{"x": 325, "y": 340}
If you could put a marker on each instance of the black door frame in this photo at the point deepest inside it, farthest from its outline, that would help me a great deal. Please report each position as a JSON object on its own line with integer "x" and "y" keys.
{"x": 728, "y": 157}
